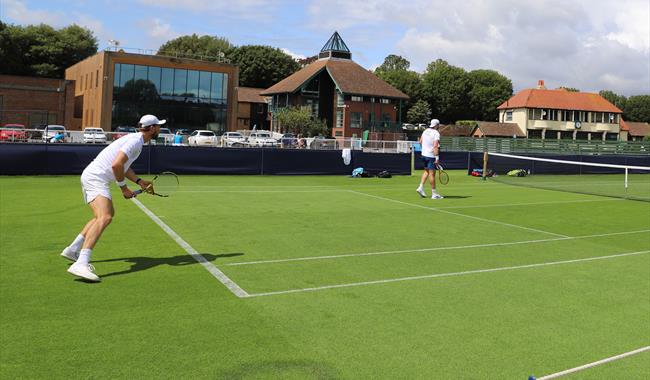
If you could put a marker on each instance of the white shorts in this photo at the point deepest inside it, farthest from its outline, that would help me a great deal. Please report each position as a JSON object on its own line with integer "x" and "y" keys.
{"x": 92, "y": 186}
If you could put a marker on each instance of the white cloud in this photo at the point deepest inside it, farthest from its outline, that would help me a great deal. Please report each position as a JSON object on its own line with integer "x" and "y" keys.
{"x": 18, "y": 12}
{"x": 587, "y": 44}
{"x": 292, "y": 54}
{"x": 158, "y": 31}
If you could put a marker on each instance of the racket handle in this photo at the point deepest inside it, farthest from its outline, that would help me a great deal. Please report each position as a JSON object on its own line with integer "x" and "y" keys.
{"x": 137, "y": 192}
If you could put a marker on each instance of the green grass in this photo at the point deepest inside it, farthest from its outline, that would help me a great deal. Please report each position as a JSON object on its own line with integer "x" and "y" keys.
{"x": 159, "y": 314}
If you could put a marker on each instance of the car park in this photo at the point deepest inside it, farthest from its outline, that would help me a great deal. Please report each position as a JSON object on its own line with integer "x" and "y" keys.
{"x": 123, "y": 131}
{"x": 261, "y": 139}
{"x": 53, "y": 130}
{"x": 233, "y": 139}
{"x": 203, "y": 138}
{"x": 321, "y": 142}
{"x": 13, "y": 133}
{"x": 289, "y": 140}
{"x": 94, "y": 136}
{"x": 165, "y": 136}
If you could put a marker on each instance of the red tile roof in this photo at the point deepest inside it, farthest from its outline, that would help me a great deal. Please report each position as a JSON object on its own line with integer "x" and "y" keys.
{"x": 250, "y": 95}
{"x": 636, "y": 129}
{"x": 348, "y": 76}
{"x": 495, "y": 129}
{"x": 559, "y": 99}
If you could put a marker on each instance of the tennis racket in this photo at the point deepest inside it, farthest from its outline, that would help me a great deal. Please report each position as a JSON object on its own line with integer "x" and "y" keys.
{"x": 443, "y": 177}
{"x": 162, "y": 185}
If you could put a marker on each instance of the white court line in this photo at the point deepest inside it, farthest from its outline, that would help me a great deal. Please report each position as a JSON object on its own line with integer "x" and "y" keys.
{"x": 599, "y": 362}
{"x": 458, "y": 214}
{"x": 353, "y": 284}
{"x": 219, "y": 275}
{"x": 418, "y": 250}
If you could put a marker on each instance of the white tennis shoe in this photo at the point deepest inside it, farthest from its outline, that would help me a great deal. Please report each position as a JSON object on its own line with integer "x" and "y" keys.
{"x": 421, "y": 192}
{"x": 436, "y": 196}
{"x": 86, "y": 271}
{"x": 70, "y": 254}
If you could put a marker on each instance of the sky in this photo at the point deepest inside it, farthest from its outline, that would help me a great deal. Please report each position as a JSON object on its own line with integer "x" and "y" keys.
{"x": 591, "y": 45}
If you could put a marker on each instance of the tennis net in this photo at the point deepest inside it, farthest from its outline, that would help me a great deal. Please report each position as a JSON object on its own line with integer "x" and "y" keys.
{"x": 581, "y": 175}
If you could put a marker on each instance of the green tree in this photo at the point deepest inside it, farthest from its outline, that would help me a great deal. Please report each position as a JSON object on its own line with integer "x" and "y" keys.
{"x": 637, "y": 108}
{"x": 210, "y": 48}
{"x": 299, "y": 120}
{"x": 262, "y": 66}
{"x": 446, "y": 88}
{"x": 570, "y": 89}
{"x": 488, "y": 89}
{"x": 394, "y": 63}
{"x": 419, "y": 113}
{"x": 614, "y": 98}
{"x": 41, "y": 50}
{"x": 394, "y": 71}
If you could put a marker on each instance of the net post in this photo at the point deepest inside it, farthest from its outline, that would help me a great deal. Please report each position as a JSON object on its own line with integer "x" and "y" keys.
{"x": 626, "y": 170}
{"x": 485, "y": 162}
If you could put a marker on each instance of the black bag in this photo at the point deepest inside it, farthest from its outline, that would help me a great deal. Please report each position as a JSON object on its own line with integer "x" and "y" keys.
{"x": 384, "y": 174}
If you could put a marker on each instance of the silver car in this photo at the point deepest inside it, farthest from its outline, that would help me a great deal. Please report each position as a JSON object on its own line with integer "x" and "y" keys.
{"x": 94, "y": 136}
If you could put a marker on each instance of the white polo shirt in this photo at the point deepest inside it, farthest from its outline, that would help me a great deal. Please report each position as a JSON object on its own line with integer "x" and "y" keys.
{"x": 102, "y": 166}
{"x": 429, "y": 136}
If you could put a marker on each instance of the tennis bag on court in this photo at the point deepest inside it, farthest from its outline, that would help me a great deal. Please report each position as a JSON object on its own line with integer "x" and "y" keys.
{"x": 384, "y": 174}
{"x": 517, "y": 173}
{"x": 360, "y": 172}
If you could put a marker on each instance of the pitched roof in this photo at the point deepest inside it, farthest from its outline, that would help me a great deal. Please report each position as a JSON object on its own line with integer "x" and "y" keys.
{"x": 493, "y": 128}
{"x": 250, "y": 95}
{"x": 559, "y": 99}
{"x": 456, "y": 130}
{"x": 636, "y": 129}
{"x": 347, "y": 75}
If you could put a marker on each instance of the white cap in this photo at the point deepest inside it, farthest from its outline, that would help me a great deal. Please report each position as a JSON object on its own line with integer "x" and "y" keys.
{"x": 148, "y": 120}
{"x": 434, "y": 123}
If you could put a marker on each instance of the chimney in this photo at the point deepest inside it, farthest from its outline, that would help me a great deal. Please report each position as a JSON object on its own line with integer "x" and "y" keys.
{"x": 540, "y": 85}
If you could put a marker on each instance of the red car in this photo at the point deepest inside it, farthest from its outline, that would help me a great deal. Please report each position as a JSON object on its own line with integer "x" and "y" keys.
{"x": 13, "y": 132}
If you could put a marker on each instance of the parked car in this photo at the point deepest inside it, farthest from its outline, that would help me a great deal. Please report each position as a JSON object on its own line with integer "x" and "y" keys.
{"x": 261, "y": 138}
{"x": 165, "y": 136}
{"x": 184, "y": 131}
{"x": 408, "y": 127}
{"x": 289, "y": 140}
{"x": 51, "y": 131}
{"x": 94, "y": 136}
{"x": 203, "y": 137}
{"x": 322, "y": 142}
{"x": 233, "y": 139}
{"x": 122, "y": 131}
{"x": 36, "y": 132}
{"x": 13, "y": 133}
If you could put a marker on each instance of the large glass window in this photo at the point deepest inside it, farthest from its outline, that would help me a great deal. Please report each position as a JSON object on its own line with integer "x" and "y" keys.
{"x": 126, "y": 74}
{"x": 217, "y": 84}
{"x": 180, "y": 82}
{"x": 167, "y": 82}
{"x": 193, "y": 83}
{"x": 204, "y": 84}
{"x": 154, "y": 77}
{"x": 355, "y": 119}
{"x": 170, "y": 94}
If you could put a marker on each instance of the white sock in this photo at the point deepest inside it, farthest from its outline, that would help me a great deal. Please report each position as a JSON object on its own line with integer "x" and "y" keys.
{"x": 77, "y": 243}
{"x": 421, "y": 187}
{"x": 84, "y": 256}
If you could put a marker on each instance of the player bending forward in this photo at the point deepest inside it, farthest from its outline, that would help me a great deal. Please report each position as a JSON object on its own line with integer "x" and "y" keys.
{"x": 430, "y": 141}
{"x": 113, "y": 163}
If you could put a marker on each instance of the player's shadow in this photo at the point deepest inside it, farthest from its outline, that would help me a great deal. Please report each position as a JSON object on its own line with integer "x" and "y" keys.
{"x": 140, "y": 263}
{"x": 457, "y": 196}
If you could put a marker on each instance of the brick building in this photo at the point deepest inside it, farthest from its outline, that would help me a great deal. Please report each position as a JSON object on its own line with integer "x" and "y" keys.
{"x": 252, "y": 109}
{"x": 350, "y": 98}
{"x": 34, "y": 101}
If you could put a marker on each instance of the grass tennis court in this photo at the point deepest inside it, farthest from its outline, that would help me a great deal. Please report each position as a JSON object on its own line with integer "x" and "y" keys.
{"x": 339, "y": 278}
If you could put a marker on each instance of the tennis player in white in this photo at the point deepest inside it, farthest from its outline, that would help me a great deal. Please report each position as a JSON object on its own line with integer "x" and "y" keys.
{"x": 112, "y": 164}
{"x": 430, "y": 141}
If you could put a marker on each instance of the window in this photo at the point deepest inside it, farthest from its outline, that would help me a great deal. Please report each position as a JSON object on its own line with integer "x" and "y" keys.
{"x": 567, "y": 116}
{"x": 357, "y": 98}
{"x": 339, "y": 119}
{"x": 204, "y": 84}
{"x": 339, "y": 100}
{"x": 180, "y": 82}
{"x": 355, "y": 119}
{"x": 126, "y": 74}
{"x": 338, "y": 133}
{"x": 598, "y": 117}
{"x": 385, "y": 101}
{"x": 217, "y": 86}
{"x": 534, "y": 133}
{"x": 154, "y": 77}
{"x": 193, "y": 83}
{"x": 140, "y": 73}
{"x": 552, "y": 114}
{"x": 508, "y": 115}
{"x": 224, "y": 95}
{"x": 116, "y": 76}
{"x": 167, "y": 82}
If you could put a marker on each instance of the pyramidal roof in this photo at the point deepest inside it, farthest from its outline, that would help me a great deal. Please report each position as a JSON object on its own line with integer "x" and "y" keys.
{"x": 335, "y": 48}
